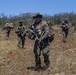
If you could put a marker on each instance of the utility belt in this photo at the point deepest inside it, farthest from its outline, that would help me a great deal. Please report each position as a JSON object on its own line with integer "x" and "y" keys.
{"x": 44, "y": 43}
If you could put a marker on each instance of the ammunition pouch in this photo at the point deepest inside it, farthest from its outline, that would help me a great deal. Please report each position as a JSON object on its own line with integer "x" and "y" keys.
{"x": 51, "y": 38}
{"x": 31, "y": 35}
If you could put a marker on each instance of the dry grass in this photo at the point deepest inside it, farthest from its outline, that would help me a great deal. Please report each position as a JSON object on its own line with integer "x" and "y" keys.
{"x": 14, "y": 60}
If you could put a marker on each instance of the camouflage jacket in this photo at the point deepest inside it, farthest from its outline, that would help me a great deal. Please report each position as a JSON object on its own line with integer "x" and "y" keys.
{"x": 65, "y": 26}
{"x": 51, "y": 30}
{"x": 21, "y": 30}
{"x": 42, "y": 29}
{"x": 8, "y": 26}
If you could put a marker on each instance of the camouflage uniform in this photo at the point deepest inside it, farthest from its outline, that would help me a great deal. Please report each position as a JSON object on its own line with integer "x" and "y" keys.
{"x": 41, "y": 43}
{"x": 8, "y": 26}
{"x": 21, "y": 32}
{"x": 51, "y": 31}
{"x": 65, "y": 29}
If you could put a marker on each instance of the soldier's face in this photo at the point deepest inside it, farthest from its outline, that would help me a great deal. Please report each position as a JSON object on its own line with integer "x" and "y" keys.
{"x": 21, "y": 24}
{"x": 37, "y": 19}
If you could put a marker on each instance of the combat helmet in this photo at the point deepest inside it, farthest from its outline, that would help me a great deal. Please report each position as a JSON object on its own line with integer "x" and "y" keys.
{"x": 37, "y": 15}
{"x": 49, "y": 22}
{"x": 20, "y": 21}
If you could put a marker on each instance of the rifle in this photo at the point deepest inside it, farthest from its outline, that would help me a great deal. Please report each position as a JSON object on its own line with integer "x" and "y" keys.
{"x": 20, "y": 32}
{"x": 35, "y": 32}
{"x": 36, "y": 36}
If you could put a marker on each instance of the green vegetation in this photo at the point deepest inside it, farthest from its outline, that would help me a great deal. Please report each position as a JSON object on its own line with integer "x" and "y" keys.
{"x": 74, "y": 27}
{"x": 26, "y": 24}
{"x": 56, "y": 21}
{"x": 28, "y": 20}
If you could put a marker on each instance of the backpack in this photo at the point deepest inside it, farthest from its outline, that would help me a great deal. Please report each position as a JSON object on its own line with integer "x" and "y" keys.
{"x": 9, "y": 25}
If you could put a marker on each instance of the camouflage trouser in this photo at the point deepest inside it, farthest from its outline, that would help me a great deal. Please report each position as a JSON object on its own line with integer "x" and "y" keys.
{"x": 65, "y": 34}
{"x": 7, "y": 33}
{"x": 21, "y": 40}
{"x": 45, "y": 52}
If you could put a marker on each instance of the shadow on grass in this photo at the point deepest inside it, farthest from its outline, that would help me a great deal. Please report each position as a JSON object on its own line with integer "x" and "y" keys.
{"x": 43, "y": 68}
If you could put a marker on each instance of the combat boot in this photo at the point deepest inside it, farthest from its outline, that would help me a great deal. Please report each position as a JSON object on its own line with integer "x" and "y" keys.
{"x": 18, "y": 45}
{"x": 64, "y": 41}
{"x": 37, "y": 68}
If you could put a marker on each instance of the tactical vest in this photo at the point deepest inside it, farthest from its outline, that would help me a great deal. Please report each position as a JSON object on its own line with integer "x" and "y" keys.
{"x": 40, "y": 28}
{"x": 21, "y": 29}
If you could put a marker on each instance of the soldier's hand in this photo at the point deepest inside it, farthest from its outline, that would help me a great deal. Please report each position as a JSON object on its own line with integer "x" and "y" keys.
{"x": 36, "y": 38}
{"x": 22, "y": 35}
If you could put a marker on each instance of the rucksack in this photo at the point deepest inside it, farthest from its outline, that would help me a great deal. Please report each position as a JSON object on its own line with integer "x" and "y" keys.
{"x": 9, "y": 25}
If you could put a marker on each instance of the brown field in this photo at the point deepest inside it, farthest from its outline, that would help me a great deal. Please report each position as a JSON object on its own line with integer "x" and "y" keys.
{"x": 14, "y": 60}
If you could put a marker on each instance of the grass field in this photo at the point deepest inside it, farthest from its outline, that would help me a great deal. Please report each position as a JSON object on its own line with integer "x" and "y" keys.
{"x": 14, "y": 60}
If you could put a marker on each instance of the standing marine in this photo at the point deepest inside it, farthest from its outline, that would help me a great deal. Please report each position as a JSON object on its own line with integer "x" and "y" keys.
{"x": 39, "y": 31}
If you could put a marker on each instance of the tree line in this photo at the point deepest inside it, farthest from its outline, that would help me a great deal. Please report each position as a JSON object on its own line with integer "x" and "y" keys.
{"x": 28, "y": 20}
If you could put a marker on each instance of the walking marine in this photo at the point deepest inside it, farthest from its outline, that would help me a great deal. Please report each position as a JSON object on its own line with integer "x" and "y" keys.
{"x": 21, "y": 32}
{"x": 8, "y": 26}
{"x": 65, "y": 29}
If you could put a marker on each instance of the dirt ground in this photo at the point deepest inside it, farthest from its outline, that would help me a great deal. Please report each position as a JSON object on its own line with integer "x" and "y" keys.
{"x": 15, "y": 61}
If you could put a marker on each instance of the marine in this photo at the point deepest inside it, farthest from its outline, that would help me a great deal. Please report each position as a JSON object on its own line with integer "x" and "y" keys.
{"x": 65, "y": 29}
{"x": 8, "y": 26}
{"x": 21, "y": 33}
{"x": 39, "y": 32}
